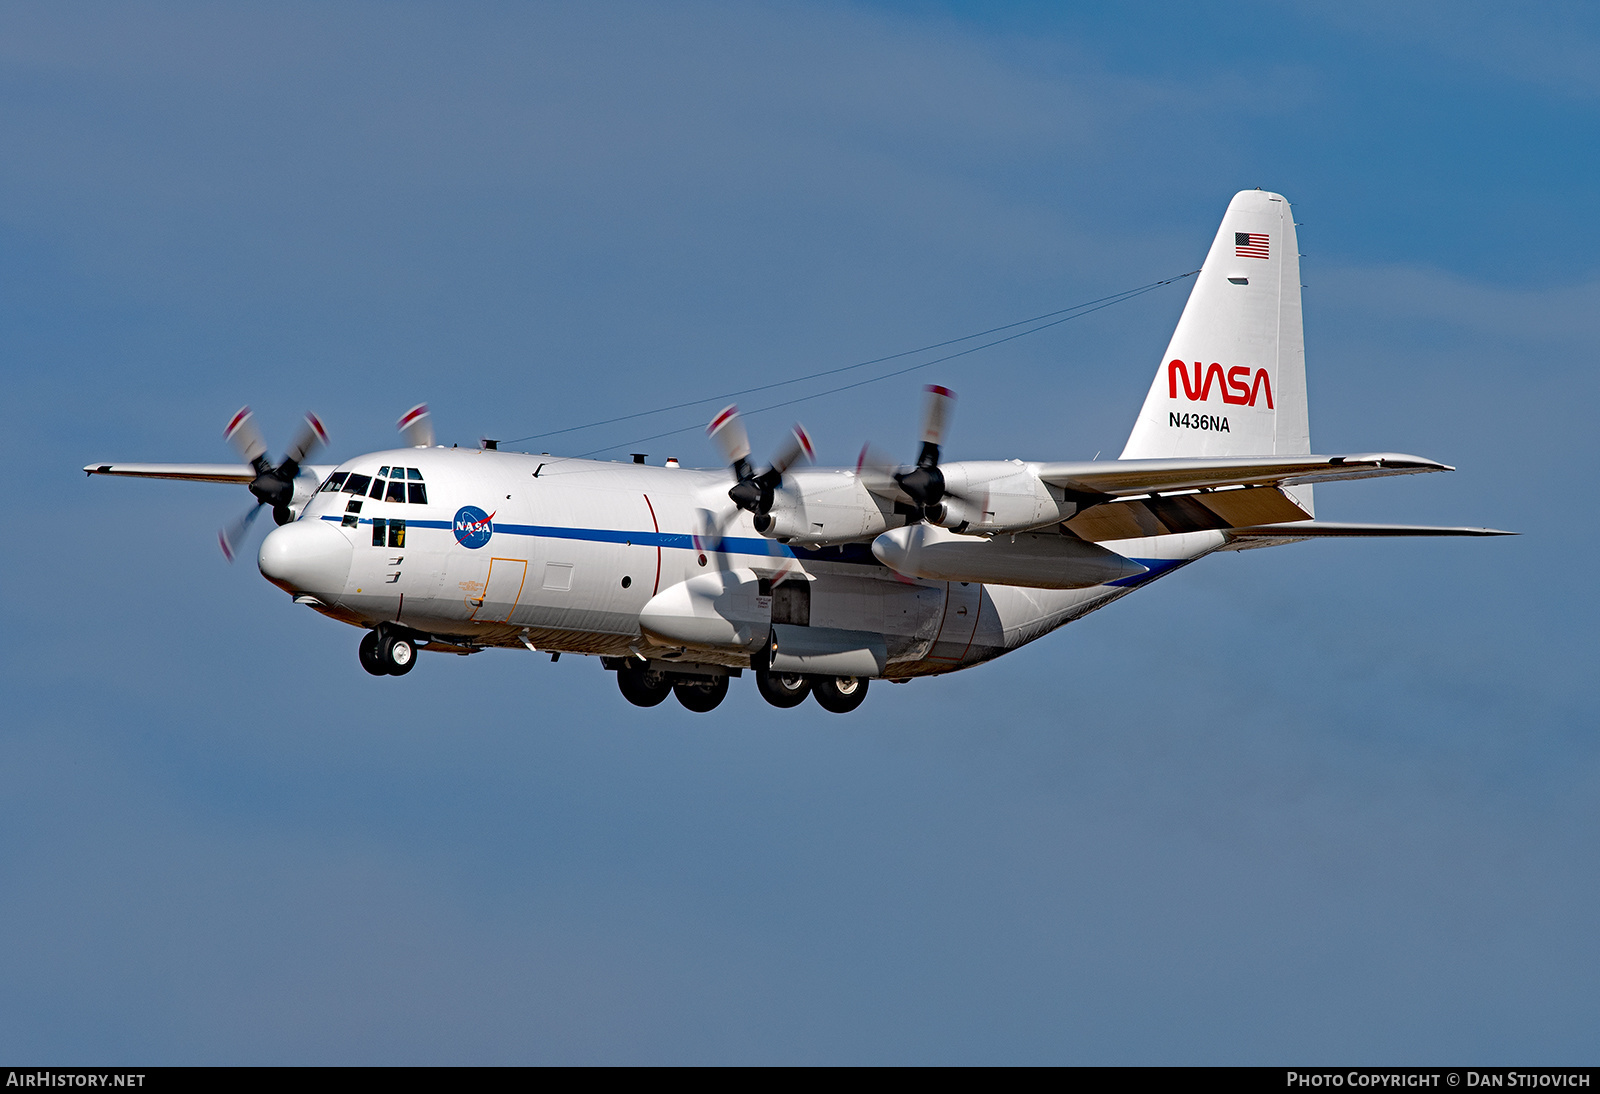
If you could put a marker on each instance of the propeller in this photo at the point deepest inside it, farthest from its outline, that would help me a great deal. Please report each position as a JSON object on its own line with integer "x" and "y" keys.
{"x": 416, "y": 426}
{"x": 923, "y": 487}
{"x": 924, "y": 484}
{"x": 272, "y": 486}
{"x": 754, "y": 491}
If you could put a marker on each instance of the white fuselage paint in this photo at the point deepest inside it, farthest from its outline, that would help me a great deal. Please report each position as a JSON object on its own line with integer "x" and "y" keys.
{"x": 577, "y": 548}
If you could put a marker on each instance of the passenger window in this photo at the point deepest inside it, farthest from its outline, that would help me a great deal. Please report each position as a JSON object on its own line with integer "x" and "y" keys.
{"x": 418, "y": 493}
{"x": 397, "y": 491}
{"x": 397, "y": 533}
{"x": 413, "y": 473}
{"x": 377, "y": 531}
{"x": 357, "y": 484}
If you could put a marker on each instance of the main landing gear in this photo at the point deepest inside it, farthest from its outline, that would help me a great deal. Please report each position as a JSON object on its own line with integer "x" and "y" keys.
{"x": 838, "y": 694}
{"x": 783, "y": 689}
{"x": 387, "y": 654}
{"x": 646, "y": 687}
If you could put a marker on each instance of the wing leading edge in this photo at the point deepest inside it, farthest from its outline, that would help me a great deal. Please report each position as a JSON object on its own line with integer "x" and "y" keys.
{"x": 240, "y": 473}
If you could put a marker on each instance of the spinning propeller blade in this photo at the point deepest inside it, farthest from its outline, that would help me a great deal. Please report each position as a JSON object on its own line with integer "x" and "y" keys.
{"x": 416, "y": 425}
{"x": 923, "y": 486}
{"x": 728, "y": 431}
{"x": 754, "y": 491}
{"x": 243, "y": 433}
{"x": 877, "y": 475}
{"x": 233, "y": 534}
{"x": 924, "y": 483}
{"x": 272, "y": 486}
{"x": 310, "y": 438}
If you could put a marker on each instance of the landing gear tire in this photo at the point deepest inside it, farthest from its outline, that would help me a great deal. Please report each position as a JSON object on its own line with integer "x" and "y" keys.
{"x": 839, "y": 694}
{"x": 782, "y": 689}
{"x": 399, "y": 655}
{"x": 371, "y": 655}
{"x": 641, "y": 686}
{"x": 701, "y": 695}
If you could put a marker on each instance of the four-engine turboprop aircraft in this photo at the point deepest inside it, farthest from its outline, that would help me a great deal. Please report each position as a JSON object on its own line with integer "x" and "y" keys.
{"x": 817, "y": 580}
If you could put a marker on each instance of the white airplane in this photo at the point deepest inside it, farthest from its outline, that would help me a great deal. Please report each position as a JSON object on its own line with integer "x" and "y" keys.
{"x": 818, "y": 580}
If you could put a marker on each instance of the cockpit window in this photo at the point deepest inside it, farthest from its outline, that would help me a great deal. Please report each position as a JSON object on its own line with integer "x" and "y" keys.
{"x": 396, "y": 484}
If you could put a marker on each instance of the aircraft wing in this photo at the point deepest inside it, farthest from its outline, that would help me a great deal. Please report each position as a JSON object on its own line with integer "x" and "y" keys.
{"x": 1120, "y": 478}
{"x": 241, "y": 473}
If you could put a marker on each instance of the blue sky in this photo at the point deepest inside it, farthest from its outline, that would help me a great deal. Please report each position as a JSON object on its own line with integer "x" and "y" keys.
{"x": 1328, "y": 803}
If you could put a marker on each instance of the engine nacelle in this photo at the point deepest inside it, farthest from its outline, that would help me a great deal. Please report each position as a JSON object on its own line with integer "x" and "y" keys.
{"x": 957, "y": 514}
{"x": 718, "y": 611}
{"x": 820, "y": 508}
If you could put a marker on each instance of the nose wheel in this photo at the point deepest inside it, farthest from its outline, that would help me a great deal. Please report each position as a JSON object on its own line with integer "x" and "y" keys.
{"x": 387, "y": 655}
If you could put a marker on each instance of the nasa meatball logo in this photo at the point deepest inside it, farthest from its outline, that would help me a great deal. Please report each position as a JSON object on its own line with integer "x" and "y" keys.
{"x": 473, "y": 526}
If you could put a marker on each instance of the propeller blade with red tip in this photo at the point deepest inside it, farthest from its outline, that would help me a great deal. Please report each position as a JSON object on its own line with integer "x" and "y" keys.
{"x": 416, "y": 425}
{"x": 243, "y": 433}
{"x": 936, "y": 413}
{"x": 311, "y": 437}
{"x": 798, "y": 447}
{"x": 234, "y": 533}
{"x": 728, "y": 432}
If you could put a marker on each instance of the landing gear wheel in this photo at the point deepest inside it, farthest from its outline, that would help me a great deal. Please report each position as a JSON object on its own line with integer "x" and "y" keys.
{"x": 839, "y": 694}
{"x": 782, "y": 689}
{"x": 701, "y": 695}
{"x": 371, "y": 655}
{"x": 641, "y": 686}
{"x": 399, "y": 655}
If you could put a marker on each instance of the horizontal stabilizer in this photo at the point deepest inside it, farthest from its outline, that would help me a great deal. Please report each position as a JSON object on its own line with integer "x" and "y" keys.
{"x": 240, "y": 473}
{"x": 1318, "y": 529}
{"x": 1127, "y": 477}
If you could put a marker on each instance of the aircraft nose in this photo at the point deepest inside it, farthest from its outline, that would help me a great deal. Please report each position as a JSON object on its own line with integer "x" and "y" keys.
{"x": 306, "y": 556}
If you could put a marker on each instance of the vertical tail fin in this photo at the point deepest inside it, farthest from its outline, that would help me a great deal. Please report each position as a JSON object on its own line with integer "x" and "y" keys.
{"x": 1233, "y": 381}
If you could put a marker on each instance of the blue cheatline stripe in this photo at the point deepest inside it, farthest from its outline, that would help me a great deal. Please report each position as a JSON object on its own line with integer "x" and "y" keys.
{"x": 858, "y": 553}
{"x": 732, "y": 545}
{"x": 1154, "y": 568}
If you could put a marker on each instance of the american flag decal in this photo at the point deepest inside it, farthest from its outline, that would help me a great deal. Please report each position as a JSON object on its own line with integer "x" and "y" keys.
{"x": 1250, "y": 244}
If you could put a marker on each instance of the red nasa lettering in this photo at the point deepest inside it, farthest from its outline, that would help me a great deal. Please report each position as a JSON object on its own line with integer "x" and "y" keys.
{"x": 1236, "y": 387}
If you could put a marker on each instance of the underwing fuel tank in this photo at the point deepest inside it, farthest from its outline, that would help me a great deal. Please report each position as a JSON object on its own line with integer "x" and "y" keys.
{"x": 717, "y": 611}
{"x": 1038, "y": 561}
